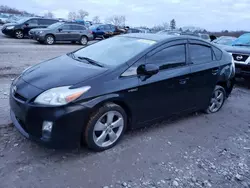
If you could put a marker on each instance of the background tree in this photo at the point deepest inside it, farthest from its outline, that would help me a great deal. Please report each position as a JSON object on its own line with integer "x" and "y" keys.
{"x": 96, "y": 20}
{"x": 82, "y": 14}
{"x": 72, "y": 15}
{"x": 116, "y": 20}
{"x": 165, "y": 25}
{"x": 49, "y": 15}
{"x": 173, "y": 24}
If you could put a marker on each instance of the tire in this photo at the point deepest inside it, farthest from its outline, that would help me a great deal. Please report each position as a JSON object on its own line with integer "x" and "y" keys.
{"x": 83, "y": 40}
{"x": 19, "y": 34}
{"x": 99, "y": 130}
{"x": 49, "y": 39}
{"x": 217, "y": 100}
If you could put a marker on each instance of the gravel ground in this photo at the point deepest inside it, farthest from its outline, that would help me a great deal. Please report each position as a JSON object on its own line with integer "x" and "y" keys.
{"x": 197, "y": 150}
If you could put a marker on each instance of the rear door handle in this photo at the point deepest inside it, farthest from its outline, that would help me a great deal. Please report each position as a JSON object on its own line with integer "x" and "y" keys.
{"x": 183, "y": 81}
{"x": 215, "y": 71}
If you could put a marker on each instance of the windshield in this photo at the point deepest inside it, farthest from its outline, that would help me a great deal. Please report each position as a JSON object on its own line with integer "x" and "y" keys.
{"x": 55, "y": 25}
{"x": 243, "y": 40}
{"x": 226, "y": 41}
{"x": 93, "y": 26}
{"x": 114, "y": 51}
{"x": 22, "y": 20}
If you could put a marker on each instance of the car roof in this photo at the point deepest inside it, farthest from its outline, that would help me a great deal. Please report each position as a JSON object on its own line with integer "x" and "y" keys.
{"x": 158, "y": 37}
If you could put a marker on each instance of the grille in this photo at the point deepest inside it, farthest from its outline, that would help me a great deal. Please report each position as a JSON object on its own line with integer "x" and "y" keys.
{"x": 20, "y": 97}
{"x": 244, "y": 57}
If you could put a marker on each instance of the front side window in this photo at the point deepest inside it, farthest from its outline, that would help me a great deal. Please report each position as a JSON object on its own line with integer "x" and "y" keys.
{"x": 200, "y": 54}
{"x": 66, "y": 27}
{"x": 170, "y": 57}
{"x": 32, "y": 22}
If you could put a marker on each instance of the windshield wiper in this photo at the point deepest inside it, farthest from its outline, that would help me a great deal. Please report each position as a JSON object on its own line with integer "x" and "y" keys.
{"x": 90, "y": 61}
{"x": 241, "y": 45}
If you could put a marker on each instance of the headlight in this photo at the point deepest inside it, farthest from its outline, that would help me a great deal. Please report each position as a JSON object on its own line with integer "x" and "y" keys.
{"x": 60, "y": 95}
{"x": 10, "y": 27}
{"x": 40, "y": 32}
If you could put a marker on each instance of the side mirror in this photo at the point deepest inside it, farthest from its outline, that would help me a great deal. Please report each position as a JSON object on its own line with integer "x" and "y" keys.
{"x": 60, "y": 29}
{"x": 148, "y": 69}
{"x": 26, "y": 24}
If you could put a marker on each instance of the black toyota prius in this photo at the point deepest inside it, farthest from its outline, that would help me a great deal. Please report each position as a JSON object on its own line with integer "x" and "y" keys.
{"x": 94, "y": 94}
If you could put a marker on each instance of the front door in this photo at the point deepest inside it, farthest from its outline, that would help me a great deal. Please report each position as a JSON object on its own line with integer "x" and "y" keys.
{"x": 30, "y": 24}
{"x": 64, "y": 33}
{"x": 167, "y": 92}
{"x": 205, "y": 69}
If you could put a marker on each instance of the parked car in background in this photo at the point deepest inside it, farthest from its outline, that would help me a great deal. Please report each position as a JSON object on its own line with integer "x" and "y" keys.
{"x": 21, "y": 28}
{"x": 199, "y": 35}
{"x": 133, "y": 30}
{"x": 3, "y": 20}
{"x": 92, "y": 96}
{"x": 62, "y": 31}
{"x": 169, "y": 32}
{"x": 205, "y": 36}
{"x": 240, "y": 51}
{"x": 105, "y": 30}
{"x": 224, "y": 40}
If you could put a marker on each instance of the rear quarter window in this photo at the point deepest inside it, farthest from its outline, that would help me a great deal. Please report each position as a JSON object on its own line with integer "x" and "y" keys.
{"x": 217, "y": 53}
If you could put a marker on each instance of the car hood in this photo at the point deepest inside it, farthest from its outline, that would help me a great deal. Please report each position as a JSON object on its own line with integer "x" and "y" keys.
{"x": 9, "y": 24}
{"x": 60, "y": 71}
{"x": 236, "y": 49}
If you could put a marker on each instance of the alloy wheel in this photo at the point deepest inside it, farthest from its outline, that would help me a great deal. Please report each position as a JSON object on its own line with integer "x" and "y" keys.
{"x": 108, "y": 128}
{"x": 50, "y": 40}
{"x": 19, "y": 34}
{"x": 216, "y": 101}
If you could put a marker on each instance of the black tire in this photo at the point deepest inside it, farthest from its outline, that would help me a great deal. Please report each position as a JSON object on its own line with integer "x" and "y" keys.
{"x": 89, "y": 130}
{"x": 84, "y": 40}
{"x": 19, "y": 34}
{"x": 224, "y": 96}
{"x": 49, "y": 39}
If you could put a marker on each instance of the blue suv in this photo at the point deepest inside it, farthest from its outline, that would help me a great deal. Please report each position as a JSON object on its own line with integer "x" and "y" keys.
{"x": 104, "y": 30}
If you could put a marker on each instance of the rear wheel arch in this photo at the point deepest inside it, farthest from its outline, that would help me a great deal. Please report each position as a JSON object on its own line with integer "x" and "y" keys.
{"x": 227, "y": 85}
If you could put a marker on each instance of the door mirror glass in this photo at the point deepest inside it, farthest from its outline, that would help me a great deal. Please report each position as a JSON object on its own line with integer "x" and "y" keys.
{"x": 26, "y": 24}
{"x": 148, "y": 69}
{"x": 59, "y": 29}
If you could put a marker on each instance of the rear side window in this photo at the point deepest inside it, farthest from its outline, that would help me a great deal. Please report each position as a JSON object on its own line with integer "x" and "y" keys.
{"x": 217, "y": 53}
{"x": 46, "y": 22}
{"x": 78, "y": 27}
{"x": 101, "y": 27}
{"x": 200, "y": 54}
{"x": 170, "y": 57}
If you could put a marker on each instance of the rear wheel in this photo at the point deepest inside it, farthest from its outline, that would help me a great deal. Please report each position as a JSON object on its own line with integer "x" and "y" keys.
{"x": 84, "y": 40}
{"x": 106, "y": 127}
{"x": 217, "y": 100}
{"x": 49, "y": 39}
{"x": 19, "y": 34}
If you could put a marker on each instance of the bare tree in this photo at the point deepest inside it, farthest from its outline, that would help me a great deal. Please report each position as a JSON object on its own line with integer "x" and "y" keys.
{"x": 72, "y": 15}
{"x": 96, "y": 20}
{"x": 116, "y": 20}
{"x": 49, "y": 15}
{"x": 165, "y": 25}
{"x": 82, "y": 14}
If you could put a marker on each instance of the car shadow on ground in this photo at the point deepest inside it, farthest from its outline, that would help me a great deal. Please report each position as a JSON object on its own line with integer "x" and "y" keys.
{"x": 240, "y": 82}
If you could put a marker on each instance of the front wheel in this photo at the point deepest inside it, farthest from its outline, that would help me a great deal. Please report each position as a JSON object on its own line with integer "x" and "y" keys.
{"x": 106, "y": 127}
{"x": 49, "y": 39}
{"x": 217, "y": 100}
{"x": 19, "y": 34}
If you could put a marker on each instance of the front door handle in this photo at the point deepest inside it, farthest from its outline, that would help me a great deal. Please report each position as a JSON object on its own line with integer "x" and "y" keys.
{"x": 215, "y": 71}
{"x": 183, "y": 81}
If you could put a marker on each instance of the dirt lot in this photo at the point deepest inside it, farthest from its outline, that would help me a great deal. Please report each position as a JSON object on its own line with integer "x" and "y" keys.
{"x": 193, "y": 151}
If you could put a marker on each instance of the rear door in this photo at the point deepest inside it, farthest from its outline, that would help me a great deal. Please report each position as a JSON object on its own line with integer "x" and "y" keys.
{"x": 205, "y": 69}
{"x": 78, "y": 32}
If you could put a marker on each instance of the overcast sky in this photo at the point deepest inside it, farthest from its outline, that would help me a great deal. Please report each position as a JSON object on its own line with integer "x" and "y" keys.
{"x": 209, "y": 14}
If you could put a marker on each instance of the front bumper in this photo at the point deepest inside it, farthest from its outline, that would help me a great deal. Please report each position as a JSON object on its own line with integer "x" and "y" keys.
{"x": 37, "y": 37}
{"x": 9, "y": 32}
{"x": 68, "y": 122}
{"x": 242, "y": 70}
